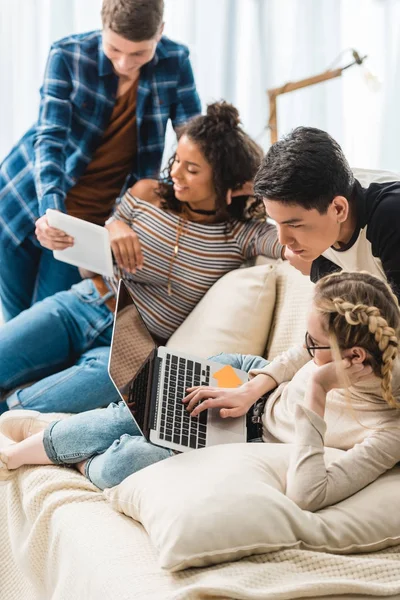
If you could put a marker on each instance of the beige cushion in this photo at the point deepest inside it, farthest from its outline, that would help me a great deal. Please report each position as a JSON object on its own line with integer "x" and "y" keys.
{"x": 234, "y": 316}
{"x": 294, "y": 293}
{"x": 226, "y": 502}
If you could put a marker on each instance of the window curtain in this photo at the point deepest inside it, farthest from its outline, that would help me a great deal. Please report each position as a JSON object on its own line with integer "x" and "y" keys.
{"x": 27, "y": 29}
{"x": 239, "y": 49}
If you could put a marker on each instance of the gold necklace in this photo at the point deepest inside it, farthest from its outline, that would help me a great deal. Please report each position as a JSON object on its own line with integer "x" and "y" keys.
{"x": 179, "y": 231}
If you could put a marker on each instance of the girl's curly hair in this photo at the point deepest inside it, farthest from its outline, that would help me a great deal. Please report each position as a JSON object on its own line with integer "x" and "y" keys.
{"x": 234, "y": 158}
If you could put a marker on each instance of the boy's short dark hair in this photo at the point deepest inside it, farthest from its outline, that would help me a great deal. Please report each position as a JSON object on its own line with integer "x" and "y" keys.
{"x": 134, "y": 20}
{"x": 306, "y": 167}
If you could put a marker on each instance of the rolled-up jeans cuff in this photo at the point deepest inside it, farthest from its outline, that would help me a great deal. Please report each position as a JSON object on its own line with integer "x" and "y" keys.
{"x": 48, "y": 445}
{"x": 87, "y": 466}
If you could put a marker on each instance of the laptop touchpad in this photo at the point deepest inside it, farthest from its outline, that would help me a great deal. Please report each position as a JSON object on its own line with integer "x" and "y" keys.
{"x": 232, "y": 425}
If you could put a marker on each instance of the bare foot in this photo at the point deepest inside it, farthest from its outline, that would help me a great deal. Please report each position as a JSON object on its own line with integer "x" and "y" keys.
{"x": 5, "y": 472}
{"x": 8, "y": 458}
{"x": 81, "y": 466}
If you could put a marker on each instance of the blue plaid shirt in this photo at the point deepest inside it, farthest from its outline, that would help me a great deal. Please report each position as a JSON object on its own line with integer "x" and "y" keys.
{"x": 77, "y": 99}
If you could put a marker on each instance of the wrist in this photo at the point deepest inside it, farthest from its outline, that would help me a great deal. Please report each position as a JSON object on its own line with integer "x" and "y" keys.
{"x": 318, "y": 381}
{"x": 109, "y": 221}
{"x": 315, "y": 397}
{"x": 258, "y": 386}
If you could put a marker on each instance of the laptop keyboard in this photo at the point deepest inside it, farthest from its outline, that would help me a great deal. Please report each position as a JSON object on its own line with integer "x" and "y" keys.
{"x": 138, "y": 390}
{"x": 177, "y": 425}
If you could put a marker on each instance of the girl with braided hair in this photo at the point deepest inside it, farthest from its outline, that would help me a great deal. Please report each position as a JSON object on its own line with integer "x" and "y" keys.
{"x": 341, "y": 389}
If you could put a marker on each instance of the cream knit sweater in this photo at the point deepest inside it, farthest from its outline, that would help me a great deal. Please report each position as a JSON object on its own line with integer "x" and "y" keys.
{"x": 358, "y": 421}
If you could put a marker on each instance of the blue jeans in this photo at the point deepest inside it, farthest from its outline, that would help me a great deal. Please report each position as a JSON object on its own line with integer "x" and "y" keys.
{"x": 29, "y": 273}
{"x": 244, "y": 362}
{"x": 64, "y": 342}
{"x": 109, "y": 439}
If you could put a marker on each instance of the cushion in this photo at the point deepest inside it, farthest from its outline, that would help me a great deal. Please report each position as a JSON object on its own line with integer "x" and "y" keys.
{"x": 294, "y": 293}
{"x": 234, "y": 316}
{"x": 225, "y": 502}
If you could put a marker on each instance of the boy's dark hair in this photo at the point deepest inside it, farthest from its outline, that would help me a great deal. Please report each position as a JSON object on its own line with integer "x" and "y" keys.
{"x": 234, "y": 158}
{"x": 306, "y": 167}
{"x": 134, "y": 20}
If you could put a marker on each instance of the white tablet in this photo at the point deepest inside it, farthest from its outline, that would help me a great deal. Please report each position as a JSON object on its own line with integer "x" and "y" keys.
{"x": 91, "y": 249}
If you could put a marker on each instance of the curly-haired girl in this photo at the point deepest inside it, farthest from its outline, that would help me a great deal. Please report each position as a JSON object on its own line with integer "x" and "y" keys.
{"x": 171, "y": 243}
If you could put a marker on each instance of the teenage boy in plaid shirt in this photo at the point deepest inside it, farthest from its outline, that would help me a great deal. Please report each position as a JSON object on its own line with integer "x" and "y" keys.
{"x": 105, "y": 103}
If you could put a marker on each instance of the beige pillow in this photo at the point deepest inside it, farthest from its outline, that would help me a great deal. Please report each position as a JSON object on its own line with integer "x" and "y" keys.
{"x": 234, "y": 316}
{"x": 225, "y": 502}
{"x": 294, "y": 293}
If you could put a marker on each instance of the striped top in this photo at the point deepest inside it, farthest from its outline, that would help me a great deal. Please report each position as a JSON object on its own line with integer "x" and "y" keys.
{"x": 206, "y": 252}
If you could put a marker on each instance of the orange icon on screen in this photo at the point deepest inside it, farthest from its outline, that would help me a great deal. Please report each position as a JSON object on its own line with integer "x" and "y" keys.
{"x": 227, "y": 378}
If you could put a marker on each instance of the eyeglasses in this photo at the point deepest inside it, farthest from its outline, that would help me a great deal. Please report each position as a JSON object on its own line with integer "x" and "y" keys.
{"x": 311, "y": 347}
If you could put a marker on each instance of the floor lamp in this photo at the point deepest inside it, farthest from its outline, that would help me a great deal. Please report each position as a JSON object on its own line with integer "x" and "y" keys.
{"x": 291, "y": 86}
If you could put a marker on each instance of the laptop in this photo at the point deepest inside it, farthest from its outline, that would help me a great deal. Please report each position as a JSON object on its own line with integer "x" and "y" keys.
{"x": 152, "y": 381}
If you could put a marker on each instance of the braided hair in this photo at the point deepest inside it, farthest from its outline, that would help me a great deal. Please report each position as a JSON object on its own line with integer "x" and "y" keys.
{"x": 361, "y": 310}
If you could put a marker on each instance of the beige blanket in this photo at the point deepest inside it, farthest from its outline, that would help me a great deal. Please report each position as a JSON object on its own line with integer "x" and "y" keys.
{"x": 60, "y": 540}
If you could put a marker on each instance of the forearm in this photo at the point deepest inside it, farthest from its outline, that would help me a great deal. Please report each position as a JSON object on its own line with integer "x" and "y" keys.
{"x": 313, "y": 483}
{"x": 259, "y": 386}
{"x": 284, "y": 366}
{"x": 269, "y": 244}
{"x": 49, "y": 176}
{"x": 315, "y": 398}
{"x": 54, "y": 124}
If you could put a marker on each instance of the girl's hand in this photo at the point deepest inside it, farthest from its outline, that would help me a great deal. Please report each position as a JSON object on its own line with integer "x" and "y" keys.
{"x": 233, "y": 402}
{"x": 329, "y": 376}
{"x": 247, "y": 189}
{"x": 50, "y": 237}
{"x": 125, "y": 246}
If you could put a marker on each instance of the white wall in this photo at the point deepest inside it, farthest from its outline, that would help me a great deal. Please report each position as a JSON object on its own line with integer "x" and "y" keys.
{"x": 239, "y": 49}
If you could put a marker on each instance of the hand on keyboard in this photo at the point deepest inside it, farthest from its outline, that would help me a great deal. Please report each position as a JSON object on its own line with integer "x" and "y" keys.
{"x": 232, "y": 402}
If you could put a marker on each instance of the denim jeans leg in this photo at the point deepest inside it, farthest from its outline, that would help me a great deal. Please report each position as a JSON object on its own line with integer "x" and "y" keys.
{"x": 29, "y": 273}
{"x": 84, "y": 386}
{"x": 81, "y": 436}
{"x": 49, "y": 336}
{"x": 18, "y": 268}
{"x": 244, "y": 362}
{"x": 53, "y": 276}
{"x": 125, "y": 456}
{"x": 109, "y": 438}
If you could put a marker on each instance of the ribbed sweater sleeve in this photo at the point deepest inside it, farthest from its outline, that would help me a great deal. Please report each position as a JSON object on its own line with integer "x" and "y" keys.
{"x": 313, "y": 485}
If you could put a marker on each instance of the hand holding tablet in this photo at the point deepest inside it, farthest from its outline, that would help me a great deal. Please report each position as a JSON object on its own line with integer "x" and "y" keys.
{"x": 51, "y": 237}
{"x": 91, "y": 249}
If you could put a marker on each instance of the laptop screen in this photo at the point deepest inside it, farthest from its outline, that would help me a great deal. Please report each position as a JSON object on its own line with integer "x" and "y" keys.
{"x": 131, "y": 343}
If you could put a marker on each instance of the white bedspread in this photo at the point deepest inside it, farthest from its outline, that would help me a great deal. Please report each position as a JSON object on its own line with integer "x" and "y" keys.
{"x": 60, "y": 540}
